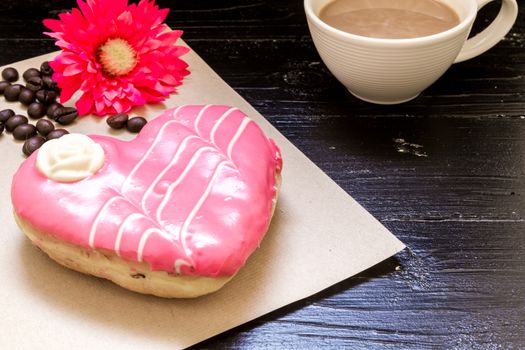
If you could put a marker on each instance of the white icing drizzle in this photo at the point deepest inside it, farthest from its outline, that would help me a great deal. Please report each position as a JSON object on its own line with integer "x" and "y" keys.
{"x": 179, "y": 263}
{"x": 219, "y": 122}
{"x": 144, "y": 239}
{"x": 121, "y": 228}
{"x": 94, "y": 227}
{"x": 189, "y": 218}
{"x": 238, "y": 134}
{"x": 198, "y": 119}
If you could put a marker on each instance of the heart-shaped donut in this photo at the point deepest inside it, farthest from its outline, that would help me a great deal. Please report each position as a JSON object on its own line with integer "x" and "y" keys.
{"x": 175, "y": 212}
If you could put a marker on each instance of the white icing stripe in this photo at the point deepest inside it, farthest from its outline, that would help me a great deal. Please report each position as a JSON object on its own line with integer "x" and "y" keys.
{"x": 197, "y": 206}
{"x": 179, "y": 263}
{"x": 173, "y": 161}
{"x": 120, "y": 232}
{"x": 150, "y": 149}
{"x": 181, "y": 177}
{"x": 144, "y": 239}
{"x": 93, "y": 230}
{"x": 238, "y": 134}
{"x": 198, "y": 119}
{"x": 219, "y": 122}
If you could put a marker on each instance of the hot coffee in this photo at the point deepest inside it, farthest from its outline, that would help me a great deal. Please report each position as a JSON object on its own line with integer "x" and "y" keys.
{"x": 390, "y": 19}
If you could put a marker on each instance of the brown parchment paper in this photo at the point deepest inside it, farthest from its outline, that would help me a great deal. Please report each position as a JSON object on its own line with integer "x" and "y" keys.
{"x": 319, "y": 236}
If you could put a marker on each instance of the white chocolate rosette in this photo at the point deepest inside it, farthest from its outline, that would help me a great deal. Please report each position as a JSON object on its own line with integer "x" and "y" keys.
{"x": 70, "y": 158}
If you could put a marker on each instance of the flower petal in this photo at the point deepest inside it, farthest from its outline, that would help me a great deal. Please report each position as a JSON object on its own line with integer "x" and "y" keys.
{"x": 73, "y": 69}
{"x": 84, "y": 104}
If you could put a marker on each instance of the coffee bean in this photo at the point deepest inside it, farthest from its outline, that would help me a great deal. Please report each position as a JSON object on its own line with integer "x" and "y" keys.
{"x": 3, "y": 85}
{"x": 46, "y": 69}
{"x": 24, "y": 132}
{"x": 36, "y": 110}
{"x": 136, "y": 124}
{"x": 65, "y": 115}
{"x": 46, "y": 96}
{"x": 117, "y": 121}
{"x": 5, "y": 115}
{"x": 12, "y": 92}
{"x": 44, "y": 127}
{"x": 15, "y": 121}
{"x": 52, "y": 108}
{"x": 57, "y": 133}
{"x": 31, "y": 72}
{"x": 26, "y": 96}
{"x": 32, "y": 144}
{"x": 35, "y": 83}
{"x": 10, "y": 74}
{"x": 1, "y": 128}
{"x": 49, "y": 83}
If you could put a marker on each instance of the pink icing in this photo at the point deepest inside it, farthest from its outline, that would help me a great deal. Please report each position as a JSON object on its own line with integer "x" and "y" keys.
{"x": 191, "y": 194}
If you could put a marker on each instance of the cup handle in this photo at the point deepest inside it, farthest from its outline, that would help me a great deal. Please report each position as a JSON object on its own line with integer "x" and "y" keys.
{"x": 493, "y": 33}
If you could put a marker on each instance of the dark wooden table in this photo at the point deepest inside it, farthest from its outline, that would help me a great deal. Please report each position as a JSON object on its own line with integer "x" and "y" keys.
{"x": 444, "y": 172}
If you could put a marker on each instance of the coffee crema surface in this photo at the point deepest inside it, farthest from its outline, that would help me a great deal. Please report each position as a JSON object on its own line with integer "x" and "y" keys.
{"x": 389, "y": 19}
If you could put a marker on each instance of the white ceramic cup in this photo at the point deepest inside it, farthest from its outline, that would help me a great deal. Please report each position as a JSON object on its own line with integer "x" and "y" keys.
{"x": 390, "y": 71}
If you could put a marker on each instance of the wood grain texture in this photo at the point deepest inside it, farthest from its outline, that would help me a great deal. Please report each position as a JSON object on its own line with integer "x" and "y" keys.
{"x": 444, "y": 172}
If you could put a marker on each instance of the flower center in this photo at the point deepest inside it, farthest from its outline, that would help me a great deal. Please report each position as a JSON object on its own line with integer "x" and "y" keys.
{"x": 117, "y": 57}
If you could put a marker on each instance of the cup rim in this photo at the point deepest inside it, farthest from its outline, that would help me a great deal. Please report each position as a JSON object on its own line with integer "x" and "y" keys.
{"x": 466, "y": 22}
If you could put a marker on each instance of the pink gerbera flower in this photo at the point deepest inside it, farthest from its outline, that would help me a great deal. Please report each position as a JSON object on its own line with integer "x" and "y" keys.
{"x": 117, "y": 55}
